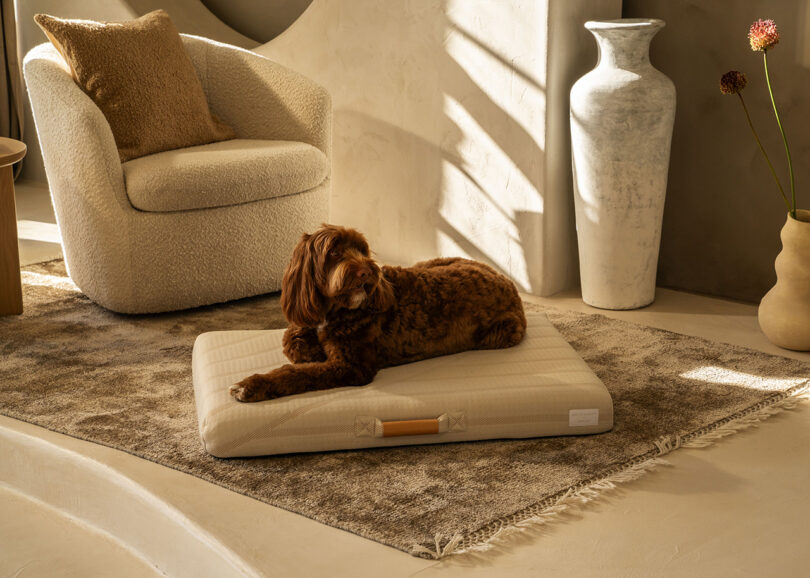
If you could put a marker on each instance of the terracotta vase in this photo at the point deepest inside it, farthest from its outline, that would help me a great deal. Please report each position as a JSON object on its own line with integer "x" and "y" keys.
{"x": 784, "y": 313}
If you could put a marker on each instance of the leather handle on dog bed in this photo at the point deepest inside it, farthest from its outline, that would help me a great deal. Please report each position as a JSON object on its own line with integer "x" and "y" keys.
{"x": 371, "y": 426}
{"x": 411, "y": 427}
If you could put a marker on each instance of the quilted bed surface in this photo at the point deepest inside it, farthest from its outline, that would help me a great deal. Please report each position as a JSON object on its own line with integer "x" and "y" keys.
{"x": 541, "y": 387}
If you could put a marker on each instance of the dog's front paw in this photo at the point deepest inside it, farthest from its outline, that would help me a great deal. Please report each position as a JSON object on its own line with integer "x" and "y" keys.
{"x": 254, "y": 388}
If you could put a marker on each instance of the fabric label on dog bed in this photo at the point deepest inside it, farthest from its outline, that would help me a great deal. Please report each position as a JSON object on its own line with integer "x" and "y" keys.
{"x": 583, "y": 417}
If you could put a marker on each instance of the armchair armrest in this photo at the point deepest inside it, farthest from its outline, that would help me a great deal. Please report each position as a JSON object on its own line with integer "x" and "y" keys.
{"x": 259, "y": 98}
{"x": 78, "y": 147}
{"x": 84, "y": 174}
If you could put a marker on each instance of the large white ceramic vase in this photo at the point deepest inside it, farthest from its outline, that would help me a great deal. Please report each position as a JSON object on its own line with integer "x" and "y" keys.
{"x": 622, "y": 113}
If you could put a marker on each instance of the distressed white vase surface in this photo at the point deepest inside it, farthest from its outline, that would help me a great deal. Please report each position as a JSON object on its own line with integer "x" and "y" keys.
{"x": 622, "y": 113}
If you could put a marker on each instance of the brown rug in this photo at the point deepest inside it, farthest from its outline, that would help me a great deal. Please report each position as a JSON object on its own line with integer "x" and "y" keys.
{"x": 125, "y": 382}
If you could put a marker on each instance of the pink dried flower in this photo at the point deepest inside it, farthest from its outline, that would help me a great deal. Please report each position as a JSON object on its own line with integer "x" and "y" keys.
{"x": 763, "y": 35}
{"x": 732, "y": 82}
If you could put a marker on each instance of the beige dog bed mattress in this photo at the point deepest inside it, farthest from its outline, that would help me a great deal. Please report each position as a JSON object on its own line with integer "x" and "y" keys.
{"x": 541, "y": 387}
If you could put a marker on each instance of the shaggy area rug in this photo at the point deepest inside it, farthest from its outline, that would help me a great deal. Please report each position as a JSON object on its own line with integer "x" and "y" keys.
{"x": 125, "y": 382}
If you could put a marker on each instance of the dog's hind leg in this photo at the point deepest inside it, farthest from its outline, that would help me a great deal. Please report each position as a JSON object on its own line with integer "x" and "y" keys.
{"x": 506, "y": 330}
{"x": 438, "y": 262}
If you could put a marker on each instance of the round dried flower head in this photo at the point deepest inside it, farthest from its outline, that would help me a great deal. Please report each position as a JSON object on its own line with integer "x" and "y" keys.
{"x": 763, "y": 35}
{"x": 732, "y": 82}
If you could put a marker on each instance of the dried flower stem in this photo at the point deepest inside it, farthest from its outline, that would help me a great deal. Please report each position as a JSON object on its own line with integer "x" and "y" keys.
{"x": 767, "y": 159}
{"x": 792, "y": 207}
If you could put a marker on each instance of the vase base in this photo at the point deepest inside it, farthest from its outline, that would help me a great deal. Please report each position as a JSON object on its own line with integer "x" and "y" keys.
{"x": 782, "y": 336}
{"x": 617, "y": 307}
{"x": 784, "y": 314}
{"x": 790, "y": 348}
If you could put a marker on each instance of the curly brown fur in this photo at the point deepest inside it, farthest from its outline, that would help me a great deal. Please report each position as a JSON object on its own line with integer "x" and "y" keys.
{"x": 349, "y": 318}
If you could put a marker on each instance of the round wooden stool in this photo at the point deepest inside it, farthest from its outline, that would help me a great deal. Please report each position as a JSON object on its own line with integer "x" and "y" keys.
{"x": 11, "y": 151}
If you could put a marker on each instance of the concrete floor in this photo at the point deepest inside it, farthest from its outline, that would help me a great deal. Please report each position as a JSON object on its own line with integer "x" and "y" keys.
{"x": 38, "y": 540}
{"x": 37, "y": 232}
{"x": 739, "y": 508}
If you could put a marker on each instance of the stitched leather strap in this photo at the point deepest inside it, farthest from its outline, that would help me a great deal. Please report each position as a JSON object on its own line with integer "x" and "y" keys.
{"x": 370, "y": 426}
{"x": 413, "y": 427}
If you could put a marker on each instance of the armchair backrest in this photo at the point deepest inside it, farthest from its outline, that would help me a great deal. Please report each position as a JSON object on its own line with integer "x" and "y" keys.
{"x": 259, "y": 98}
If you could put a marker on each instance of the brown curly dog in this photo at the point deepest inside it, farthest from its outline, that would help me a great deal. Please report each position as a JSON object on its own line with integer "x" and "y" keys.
{"x": 349, "y": 318}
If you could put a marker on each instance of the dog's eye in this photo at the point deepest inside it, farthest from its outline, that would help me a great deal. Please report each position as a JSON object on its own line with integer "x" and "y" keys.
{"x": 334, "y": 253}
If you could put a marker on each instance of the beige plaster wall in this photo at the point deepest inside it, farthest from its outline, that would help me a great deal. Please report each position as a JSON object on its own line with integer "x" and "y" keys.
{"x": 448, "y": 139}
{"x": 723, "y": 212}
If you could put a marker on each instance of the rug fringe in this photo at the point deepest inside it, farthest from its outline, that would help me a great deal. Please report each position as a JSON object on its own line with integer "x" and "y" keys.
{"x": 496, "y": 533}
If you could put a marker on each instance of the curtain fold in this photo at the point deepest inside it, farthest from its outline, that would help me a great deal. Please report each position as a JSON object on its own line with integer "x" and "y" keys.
{"x": 11, "y": 109}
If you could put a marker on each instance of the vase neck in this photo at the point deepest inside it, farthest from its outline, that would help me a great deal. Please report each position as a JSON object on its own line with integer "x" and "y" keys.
{"x": 802, "y": 216}
{"x": 624, "y": 43}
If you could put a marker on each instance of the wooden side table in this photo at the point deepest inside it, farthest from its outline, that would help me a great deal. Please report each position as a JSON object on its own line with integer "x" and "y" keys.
{"x": 11, "y": 151}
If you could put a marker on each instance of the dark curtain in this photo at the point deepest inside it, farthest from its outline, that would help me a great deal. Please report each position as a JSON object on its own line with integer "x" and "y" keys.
{"x": 11, "y": 111}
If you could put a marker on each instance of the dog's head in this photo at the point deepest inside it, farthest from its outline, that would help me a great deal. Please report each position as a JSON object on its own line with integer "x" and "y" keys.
{"x": 331, "y": 268}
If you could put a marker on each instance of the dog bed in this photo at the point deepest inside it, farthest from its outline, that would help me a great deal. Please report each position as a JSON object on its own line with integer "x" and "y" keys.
{"x": 540, "y": 387}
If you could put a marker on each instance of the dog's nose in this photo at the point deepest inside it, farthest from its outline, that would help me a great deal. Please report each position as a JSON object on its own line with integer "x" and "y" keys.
{"x": 363, "y": 272}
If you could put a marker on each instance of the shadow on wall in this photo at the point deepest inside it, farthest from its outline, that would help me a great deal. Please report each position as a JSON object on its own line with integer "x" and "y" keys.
{"x": 383, "y": 197}
{"x": 435, "y": 153}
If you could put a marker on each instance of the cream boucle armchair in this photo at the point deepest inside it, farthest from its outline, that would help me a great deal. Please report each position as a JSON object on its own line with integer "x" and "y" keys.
{"x": 192, "y": 226}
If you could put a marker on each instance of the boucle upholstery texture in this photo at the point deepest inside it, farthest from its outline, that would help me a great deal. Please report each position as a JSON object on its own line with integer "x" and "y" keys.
{"x": 133, "y": 261}
{"x": 140, "y": 77}
{"x": 223, "y": 173}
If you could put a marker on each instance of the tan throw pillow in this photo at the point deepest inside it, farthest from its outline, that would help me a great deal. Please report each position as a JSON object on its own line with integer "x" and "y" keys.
{"x": 139, "y": 75}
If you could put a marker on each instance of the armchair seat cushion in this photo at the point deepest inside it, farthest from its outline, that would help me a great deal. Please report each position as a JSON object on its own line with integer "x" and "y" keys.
{"x": 223, "y": 173}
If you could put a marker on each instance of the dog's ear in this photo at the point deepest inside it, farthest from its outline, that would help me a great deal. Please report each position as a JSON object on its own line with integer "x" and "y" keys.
{"x": 301, "y": 301}
{"x": 382, "y": 297}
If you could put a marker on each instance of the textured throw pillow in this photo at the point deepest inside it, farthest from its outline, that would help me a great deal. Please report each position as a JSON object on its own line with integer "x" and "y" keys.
{"x": 139, "y": 75}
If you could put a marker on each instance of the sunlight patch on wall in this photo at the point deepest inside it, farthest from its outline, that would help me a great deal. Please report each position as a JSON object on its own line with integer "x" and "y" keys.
{"x": 493, "y": 169}
{"x": 487, "y": 166}
{"x": 483, "y": 188}
{"x": 503, "y": 51}
{"x": 477, "y": 228}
